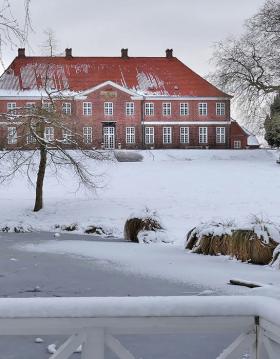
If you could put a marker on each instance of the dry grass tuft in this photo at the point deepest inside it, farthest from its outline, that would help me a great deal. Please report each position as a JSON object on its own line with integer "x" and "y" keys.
{"x": 242, "y": 244}
{"x": 134, "y": 225}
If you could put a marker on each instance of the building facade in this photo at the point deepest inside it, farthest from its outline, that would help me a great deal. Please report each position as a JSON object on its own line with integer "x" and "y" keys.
{"x": 122, "y": 102}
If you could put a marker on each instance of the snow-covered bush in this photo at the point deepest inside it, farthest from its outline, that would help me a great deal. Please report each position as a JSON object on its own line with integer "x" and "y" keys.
{"x": 128, "y": 156}
{"x": 95, "y": 230}
{"x": 69, "y": 227}
{"x": 252, "y": 242}
{"x": 144, "y": 227}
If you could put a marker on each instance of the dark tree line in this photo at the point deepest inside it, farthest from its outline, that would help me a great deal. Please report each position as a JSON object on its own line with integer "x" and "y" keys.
{"x": 272, "y": 123}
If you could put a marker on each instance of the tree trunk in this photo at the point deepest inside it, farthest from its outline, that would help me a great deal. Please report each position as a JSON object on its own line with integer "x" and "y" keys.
{"x": 40, "y": 180}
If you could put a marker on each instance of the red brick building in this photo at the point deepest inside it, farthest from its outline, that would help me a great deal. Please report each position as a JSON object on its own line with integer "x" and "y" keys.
{"x": 125, "y": 102}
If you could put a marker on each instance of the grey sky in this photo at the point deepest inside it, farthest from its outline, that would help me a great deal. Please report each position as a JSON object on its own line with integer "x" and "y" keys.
{"x": 146, "y": 28}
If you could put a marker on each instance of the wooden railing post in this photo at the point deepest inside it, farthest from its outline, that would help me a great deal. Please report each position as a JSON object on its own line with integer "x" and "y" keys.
{"x": 94, "y": 345}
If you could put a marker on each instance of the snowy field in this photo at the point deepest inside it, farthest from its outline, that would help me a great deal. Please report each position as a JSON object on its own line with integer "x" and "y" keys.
{"x": 185, "y": 187}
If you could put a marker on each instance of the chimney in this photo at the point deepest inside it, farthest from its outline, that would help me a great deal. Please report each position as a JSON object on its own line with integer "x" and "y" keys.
{"x": 124, "y": 53}
{"x": 68, "y": 53}
{"x": 21, "y": 52}
{"x": 169, "y": 53}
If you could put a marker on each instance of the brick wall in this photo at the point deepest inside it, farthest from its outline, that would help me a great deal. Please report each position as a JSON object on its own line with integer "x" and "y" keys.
{"x": 97, "y": 120}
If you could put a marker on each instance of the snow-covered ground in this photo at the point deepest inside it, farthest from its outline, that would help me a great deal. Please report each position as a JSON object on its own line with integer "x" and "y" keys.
{"x": 185, "y": 187}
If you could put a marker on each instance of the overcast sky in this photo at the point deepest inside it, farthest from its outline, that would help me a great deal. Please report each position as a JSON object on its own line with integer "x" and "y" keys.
{"x": 146, "y": 27}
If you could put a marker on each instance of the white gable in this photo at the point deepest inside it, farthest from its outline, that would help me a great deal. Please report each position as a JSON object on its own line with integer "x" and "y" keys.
{"x": 113, "y": 84}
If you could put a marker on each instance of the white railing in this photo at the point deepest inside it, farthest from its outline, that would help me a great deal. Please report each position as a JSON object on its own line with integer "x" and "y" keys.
{"x": 94, "y": 322}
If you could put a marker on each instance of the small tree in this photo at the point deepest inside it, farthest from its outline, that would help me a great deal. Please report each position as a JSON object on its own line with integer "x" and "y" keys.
{"x": 42, "y": 136}
{"x": 272, "y": 124}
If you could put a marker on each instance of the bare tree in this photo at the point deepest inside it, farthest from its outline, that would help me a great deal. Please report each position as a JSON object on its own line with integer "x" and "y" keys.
{"x": 11, "y": 32}
{"x": 50, "y": 45}
{"x": 248, "y": 67}
{"x": 42, "y": 136}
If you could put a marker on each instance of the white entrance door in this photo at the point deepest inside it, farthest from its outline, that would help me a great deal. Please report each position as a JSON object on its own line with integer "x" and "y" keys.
{"x": 109, "y": 137}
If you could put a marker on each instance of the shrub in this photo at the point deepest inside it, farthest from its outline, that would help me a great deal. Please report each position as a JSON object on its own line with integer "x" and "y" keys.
{"x": 254, "y": 244}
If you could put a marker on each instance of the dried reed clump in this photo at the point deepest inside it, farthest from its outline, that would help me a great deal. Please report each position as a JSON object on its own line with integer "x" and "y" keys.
{"x": 134, "y": 225}
{"x": 242, "y": 244}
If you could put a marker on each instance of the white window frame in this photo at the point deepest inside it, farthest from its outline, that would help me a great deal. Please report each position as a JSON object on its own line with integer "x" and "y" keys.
{"x": 129, "y": 108}
{"x": 11, "y": 107}
{"x": 87, "y": 108}
{"x": 108, "y": 108}
{"x": 149, "y": 109}
{"x": 12, "y": 135}
{"x": 220, "y": 135}
{"x": 220, "y": 109}
{"x": 30, "y": 106}
{"x": 49, "y": 134}
{"x": 237, "y": 144}
{"x": 130, "y": 135}
{"x": 203, "y": 135}
{"x": 30, "y": 139}
{"x": 184, "y": 109}
{"x": 167, "y": 135}
{"x": 203, "y": 108}
{"x": 67, "y": 108}
{"x": 166, "y": 109}
{"x": 87, "y": 135}
{"x": 66, "y": 135}
{"x": 184, "y": 135}
{"x": 149, "y": 135}
{"x": 48, "y": 106}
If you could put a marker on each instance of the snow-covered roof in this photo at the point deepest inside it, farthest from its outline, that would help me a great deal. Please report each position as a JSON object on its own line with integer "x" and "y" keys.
{"x": 252, "y": 139}
{"x": 151, "y": 76}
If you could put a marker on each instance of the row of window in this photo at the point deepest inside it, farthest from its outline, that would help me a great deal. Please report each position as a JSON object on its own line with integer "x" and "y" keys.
{"x": 49, "y": 135}
{"x": 130, "y": 135}
{"x": 184, "y": 109}
{"x": 184, "y": 135}
{"x": 149, "y": 108}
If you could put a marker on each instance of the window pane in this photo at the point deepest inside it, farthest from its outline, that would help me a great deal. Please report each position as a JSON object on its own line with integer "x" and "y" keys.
{"x": 129, "y": 109}
{"x": 87, "y": 135}
{"x": 166, "y": 109}
{"x": 203, "y": 138}
{"x": 149, "y": 135}
{"x": 167, "y": 135}
{"x": 184, "y": 109}
{"x": 130, "y": 135}
{"x": 202, "y": 109}
{"x": 12, "y": 135}
{"x": 66, "y": 108}
{"x": 108, "y": 108}
{"x": 184, "y": 135}
{"x": 87, "y": 108}
{"x": 149, "y": 109}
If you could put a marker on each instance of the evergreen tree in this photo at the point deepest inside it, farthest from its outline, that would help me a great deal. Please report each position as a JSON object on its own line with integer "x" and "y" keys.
{"x": 272, "y": 123}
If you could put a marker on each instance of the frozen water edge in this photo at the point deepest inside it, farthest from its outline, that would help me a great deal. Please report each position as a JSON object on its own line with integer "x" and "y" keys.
{"x": 169, "y": 262}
